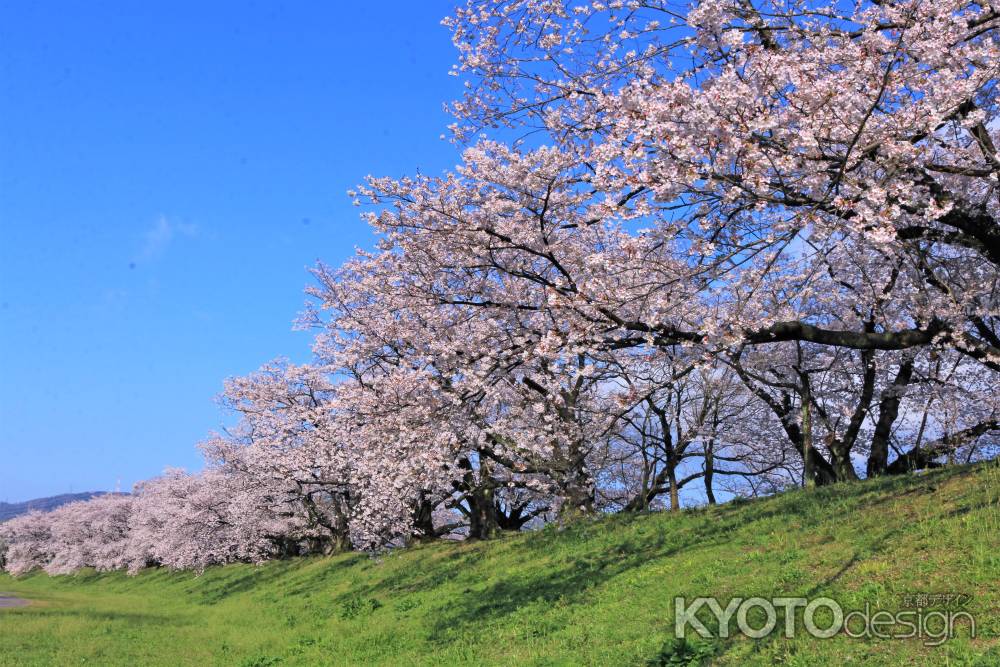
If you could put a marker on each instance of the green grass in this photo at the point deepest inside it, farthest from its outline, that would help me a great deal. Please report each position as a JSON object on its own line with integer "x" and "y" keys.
{"x": 595, "y": 593}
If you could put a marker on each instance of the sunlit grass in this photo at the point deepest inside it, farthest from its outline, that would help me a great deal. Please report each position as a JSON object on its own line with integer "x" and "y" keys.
{"x": 598, "y": 593}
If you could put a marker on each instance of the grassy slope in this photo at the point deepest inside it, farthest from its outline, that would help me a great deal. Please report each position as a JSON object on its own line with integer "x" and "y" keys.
{"x": 599, "y": 593}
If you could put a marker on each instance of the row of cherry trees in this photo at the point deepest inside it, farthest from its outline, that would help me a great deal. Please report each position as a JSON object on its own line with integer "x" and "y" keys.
{"x": 687, "y": 252}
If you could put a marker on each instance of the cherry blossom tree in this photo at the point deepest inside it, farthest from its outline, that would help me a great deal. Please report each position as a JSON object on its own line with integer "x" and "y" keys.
{"x": 738, "y": 245}
{"x": 749, "y": 128}
{"x": 285, "y": 441}
{"x": 795, "y": 149}
{"x": 190, "y": 521}
{"x": 91, "y": 533}
{"x": 28, "y": 540}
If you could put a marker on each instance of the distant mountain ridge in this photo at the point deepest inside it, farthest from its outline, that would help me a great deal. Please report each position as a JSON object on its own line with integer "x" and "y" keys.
{"x": 11, "y": 510}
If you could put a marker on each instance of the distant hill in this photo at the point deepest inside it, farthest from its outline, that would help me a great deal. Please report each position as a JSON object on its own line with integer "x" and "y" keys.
{"x": 11, "y": 510}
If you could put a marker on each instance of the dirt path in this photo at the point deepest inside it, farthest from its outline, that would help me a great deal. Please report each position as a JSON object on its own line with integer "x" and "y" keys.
{"x": 10, "y": 601}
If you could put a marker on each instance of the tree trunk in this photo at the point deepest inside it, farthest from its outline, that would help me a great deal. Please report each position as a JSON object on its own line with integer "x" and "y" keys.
{"x": 423, "y": 521}
{"x": 823, "y": 472}
{"x": 923, "y": 457}
{"x": 878, "y": 458}
{"x": 342, "y": 542}
{"x": 483, "y": 521}
{"x": 675, "y": 499}
{"x": 808, "y": 468}
{"x": 709, "y": 470}
{"x": 577, "y": 495}
{"x": 840, "y": 448}
{"x": 843, "y": 467}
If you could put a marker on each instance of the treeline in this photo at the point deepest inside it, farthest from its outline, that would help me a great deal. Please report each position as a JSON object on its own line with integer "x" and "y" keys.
{"x": 732, "y": 251}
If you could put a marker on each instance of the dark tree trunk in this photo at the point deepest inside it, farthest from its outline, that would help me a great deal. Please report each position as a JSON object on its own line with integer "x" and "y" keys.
{"x": 423, "y": 521}
{"x": 878, "y": 458}
{"x": 341, "y": 542}
{"x": 840, "y": 448}
{"x": 480, "y": 499}
{"x": 808, "y": 457}
{"x": 843, "y": 467}
{"x": 923, "y": 457}
{"x": 822, "y": 473}
{"x": 515, "y": 518}
{"x": 577, "y": 494}
{"x": 483, "y": 522}
{"x": 710, "y": 470}
{"x": 666, "y": 478}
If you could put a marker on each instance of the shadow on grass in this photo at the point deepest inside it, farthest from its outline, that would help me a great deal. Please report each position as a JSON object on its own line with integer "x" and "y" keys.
{"x": 219, "y": 584}
{"x": 576, "y": 560}
{"x": 701, "y": 651}
{"x": 585, "y": 556}
{"x": 93, "y": 615}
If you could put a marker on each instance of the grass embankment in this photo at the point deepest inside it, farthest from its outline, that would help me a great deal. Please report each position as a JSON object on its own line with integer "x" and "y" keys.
{"x": 599, "y": 593}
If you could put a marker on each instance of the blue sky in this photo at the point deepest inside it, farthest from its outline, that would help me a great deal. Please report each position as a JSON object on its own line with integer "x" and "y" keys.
{"x": 168, "y": 172}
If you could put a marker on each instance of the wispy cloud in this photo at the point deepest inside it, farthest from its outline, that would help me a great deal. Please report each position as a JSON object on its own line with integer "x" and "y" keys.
{"x": 161, "y": 235}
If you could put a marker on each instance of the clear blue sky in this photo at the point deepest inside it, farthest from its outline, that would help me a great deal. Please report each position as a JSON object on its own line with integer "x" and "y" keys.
{"x": 168, "y": 171}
